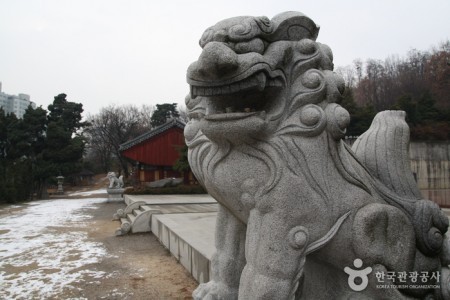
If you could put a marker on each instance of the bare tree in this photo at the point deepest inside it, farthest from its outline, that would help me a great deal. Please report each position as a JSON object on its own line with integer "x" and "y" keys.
{"x": 183, "y": 113}
{"x": 437, "y": 74}
{"x": 382, "y": 83}
{"x": 358, "y": 65}
{"x": 113, "y": 126}
{"x": 146, "y": 112}
{"x": 349, "y": 75}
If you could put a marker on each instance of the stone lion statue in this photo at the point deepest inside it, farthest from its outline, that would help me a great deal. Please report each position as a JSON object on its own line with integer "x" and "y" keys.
{"x": 301, "y": 214}
{"x": 114, "y": 182}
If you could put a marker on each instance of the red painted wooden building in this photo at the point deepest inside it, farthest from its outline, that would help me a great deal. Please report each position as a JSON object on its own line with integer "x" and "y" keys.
{"x": 153, "y": 153}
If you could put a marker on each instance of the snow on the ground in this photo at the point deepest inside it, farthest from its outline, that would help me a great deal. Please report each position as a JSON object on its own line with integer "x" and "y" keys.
{"x": 36, "y": 259}
{"x": 88, "y": 193}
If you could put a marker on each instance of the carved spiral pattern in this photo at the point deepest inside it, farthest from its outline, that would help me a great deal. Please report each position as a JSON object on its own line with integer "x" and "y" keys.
{"x": 313, "y": 119}
{"x": 310, "y": 120}
{"x": 309, "y": 88}
{"x": 310, "y": 115}
{"x": 238, "y": 31}
{"x": 264, "y": 24}
{"x": 338, "y": 120}
{"x": 298, "y": 237}
{"x": 312, "y": 79}
{"x": 125, "y": 227}
{"x": 306, "y": 46}
{"x": 430, "y": 225}
{"x": 435, "y": 238}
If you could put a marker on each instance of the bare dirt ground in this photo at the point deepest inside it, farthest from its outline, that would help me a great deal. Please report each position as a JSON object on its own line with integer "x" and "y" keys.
{"x": 141, "y": 267}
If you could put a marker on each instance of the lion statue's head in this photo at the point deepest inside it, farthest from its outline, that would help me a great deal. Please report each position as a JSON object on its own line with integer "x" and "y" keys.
{"x": 257, "y": 77}
{"x": 257, "y": 84}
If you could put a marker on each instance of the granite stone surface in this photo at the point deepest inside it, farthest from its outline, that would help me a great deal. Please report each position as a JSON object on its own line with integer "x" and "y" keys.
{"x": 303, "y": 216}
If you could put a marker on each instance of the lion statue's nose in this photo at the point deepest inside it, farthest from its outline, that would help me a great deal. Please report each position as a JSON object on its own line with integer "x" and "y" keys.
{"x": 216, "y": 60}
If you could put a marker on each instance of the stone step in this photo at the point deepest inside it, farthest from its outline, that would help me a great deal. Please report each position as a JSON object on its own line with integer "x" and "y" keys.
{"x": 138, "y": 215}
{"x": 181, "y": 208}
{"x": 137, "y": 211}
{"x": 131, "y": 218}
{"x": 145, "y": 207}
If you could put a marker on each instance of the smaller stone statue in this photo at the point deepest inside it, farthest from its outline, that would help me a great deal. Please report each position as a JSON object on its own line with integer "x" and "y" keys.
{"x": 115, "y": 189}
{"x": 114, "y": 182}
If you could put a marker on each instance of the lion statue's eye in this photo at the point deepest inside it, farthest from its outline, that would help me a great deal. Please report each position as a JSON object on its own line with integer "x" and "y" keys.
{"x": 254, "y": 45}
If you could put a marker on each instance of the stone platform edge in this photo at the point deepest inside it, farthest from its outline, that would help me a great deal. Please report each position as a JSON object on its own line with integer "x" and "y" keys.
{"x": 196, "y": 261}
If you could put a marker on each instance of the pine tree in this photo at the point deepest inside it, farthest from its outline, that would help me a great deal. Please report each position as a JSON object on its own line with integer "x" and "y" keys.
{"x": 164, "y": 112}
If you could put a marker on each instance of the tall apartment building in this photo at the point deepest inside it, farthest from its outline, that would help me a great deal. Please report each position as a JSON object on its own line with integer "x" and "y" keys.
{"x": 16, "y": 104}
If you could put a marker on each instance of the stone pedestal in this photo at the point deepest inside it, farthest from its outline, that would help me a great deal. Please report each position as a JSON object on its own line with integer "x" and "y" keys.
{"x": 115, "y": 194}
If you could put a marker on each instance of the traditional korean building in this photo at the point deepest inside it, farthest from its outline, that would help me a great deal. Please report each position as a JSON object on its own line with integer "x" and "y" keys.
{"x": 154, "y": 153}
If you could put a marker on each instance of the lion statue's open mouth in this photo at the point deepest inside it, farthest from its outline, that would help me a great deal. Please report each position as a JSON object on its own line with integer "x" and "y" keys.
{"x": 298, "y": 206}
{"x": 255, "y": 92}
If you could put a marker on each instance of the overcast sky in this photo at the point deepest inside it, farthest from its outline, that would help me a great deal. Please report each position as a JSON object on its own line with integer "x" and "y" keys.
{"x": 102, "y": 52}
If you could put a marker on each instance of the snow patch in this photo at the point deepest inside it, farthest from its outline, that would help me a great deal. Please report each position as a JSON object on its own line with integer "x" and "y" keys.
{"x": 42, "y": 259}
{"x": 88, "y": 193}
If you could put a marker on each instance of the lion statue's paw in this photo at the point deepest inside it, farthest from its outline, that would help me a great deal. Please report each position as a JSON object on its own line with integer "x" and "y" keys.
{"x": 213, "y": 290}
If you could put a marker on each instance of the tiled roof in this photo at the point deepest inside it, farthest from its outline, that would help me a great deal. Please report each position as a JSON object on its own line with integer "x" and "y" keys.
{"x": 160, "y": 129}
